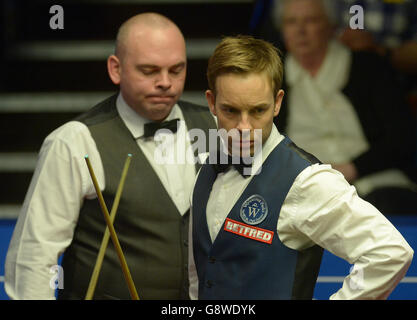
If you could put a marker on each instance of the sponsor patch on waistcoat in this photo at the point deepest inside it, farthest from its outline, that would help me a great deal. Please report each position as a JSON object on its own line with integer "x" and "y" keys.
{"x": 248, "y": 231}
{"x": 254, "y": 210}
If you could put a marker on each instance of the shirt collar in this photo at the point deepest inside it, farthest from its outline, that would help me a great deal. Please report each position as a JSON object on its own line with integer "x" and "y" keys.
{"x": 273, "y": 140}
{"x": 134, "y": 122}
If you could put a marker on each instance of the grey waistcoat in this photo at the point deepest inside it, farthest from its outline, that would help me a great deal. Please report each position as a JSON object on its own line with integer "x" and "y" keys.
{"x": 152, "y": 233}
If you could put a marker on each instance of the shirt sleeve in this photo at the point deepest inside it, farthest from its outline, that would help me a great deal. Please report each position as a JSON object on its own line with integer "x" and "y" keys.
{"x": 322, "y": 208}
{"x": 49, "y": 214}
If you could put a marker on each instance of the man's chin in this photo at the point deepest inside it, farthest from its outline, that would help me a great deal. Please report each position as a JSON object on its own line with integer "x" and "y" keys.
{"x": 244, "y": 152}
{"x": 159, "y": 111}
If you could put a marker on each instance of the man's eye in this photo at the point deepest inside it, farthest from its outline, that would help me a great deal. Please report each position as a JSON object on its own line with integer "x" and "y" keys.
{"x": 177, "y": 71}
{"x": 259, "y": 110}
{"x": 148, "y": 72}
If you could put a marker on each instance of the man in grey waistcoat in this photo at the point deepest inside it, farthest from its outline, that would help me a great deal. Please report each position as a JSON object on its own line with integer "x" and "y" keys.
{"x": 61, "y": 213}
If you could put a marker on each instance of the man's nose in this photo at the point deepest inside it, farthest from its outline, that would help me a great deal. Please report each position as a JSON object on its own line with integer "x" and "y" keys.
{"x": 244, "y": 122}
{"x": 164, "y": 80}
{"x": 301, "y": 27}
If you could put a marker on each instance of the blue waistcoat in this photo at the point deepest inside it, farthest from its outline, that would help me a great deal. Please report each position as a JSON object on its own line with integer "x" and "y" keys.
{"x": 247, "y": 259}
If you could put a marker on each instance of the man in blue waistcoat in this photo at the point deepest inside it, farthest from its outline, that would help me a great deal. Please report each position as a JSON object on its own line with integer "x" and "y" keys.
{"x": 258, "y": 232}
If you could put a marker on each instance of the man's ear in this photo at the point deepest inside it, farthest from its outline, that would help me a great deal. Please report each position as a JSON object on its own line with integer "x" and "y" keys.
{"x": 278, "y": 102}
{"x": 113, "y": 68}
{"x": 211, "y": 101}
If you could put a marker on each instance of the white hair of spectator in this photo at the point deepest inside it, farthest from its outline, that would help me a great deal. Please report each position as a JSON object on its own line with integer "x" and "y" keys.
{"x": 278, "y": 8}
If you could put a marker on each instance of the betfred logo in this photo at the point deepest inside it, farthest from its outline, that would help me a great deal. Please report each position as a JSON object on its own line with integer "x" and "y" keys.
{"x": 248, "y": 231}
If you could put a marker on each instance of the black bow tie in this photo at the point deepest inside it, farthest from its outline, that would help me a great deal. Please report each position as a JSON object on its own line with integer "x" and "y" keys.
{"x": 240, "y": 165}
{"x": 151, "y": 127}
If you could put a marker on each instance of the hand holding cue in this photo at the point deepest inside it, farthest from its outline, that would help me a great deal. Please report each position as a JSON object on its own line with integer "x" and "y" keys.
{"x": 113, "y": 235}
{"x": 105, "y": 241}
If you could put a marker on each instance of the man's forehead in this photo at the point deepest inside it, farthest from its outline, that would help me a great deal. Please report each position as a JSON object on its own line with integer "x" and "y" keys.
{"x": 162, "y": 56}
{"x": 251, "y": 79}
{"x": 303, "y": 9}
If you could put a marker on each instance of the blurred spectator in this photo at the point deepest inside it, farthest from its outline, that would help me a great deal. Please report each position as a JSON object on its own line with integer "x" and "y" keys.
{"x": 345, "y": 108}
{"x": 390, "y": 29}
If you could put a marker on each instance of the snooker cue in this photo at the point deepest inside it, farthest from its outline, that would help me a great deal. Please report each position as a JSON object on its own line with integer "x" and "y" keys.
{"x": 105, "y": 240}
{"x": 113, "y": 235}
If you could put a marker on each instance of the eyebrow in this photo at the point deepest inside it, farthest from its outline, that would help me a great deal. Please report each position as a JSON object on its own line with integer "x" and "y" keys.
{"x": 180, "y": 64}
{"x": 262, "y": 105}
{"x": 259, "y": 105}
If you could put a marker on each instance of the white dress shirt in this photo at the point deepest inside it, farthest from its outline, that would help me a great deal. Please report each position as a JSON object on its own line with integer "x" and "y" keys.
{"x": 60, "y": 183}
{"x": 322, "y": 208}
